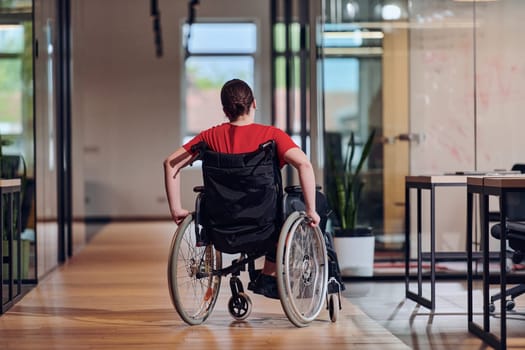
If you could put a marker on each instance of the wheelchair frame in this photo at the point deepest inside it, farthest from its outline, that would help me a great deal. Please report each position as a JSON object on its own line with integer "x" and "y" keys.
{"x": 208, "y": 269}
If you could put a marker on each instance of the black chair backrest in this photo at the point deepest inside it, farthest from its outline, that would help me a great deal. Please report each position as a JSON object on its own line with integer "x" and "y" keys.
{"x": 242, "y": 204}
{"x": 516, "y": 200}
{"x": 519, "y": 166}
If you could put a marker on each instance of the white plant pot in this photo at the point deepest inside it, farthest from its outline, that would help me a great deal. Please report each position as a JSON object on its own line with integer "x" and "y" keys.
{"x": 355, "y": 255}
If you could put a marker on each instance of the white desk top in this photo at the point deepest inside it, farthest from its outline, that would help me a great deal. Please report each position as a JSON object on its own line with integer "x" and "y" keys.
{"x": 10, "y": 182}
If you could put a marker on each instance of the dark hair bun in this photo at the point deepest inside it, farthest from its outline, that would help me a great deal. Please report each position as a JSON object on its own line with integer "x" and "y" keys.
{"x": 236, "y": 98}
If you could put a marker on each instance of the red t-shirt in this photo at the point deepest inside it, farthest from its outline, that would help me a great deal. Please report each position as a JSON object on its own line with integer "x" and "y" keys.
{"x": 233, "y": 139}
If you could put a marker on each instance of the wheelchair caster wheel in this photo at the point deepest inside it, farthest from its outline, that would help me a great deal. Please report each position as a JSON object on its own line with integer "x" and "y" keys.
{"x": 509, "y": 305}
{"x": 492, "y": 308}
{"x": 333, "y": 308}
{"x": 240, "y": 306}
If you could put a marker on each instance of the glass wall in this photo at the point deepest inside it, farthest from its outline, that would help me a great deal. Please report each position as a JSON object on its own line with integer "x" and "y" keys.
{"x": 17, "y": 154}
{"x": 46, "y": 135}
{"x": 365, "y": 94}
{"x": 441, "y": 83}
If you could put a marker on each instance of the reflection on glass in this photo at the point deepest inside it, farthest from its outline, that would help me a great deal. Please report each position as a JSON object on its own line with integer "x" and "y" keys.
{"x": 16, "y": 117}
{"x": 352, "y": 94}
{"x": 340, "y": 11}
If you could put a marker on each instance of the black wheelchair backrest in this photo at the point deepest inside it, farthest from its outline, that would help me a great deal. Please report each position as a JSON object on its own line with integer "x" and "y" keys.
{"x": 242, "y": 199}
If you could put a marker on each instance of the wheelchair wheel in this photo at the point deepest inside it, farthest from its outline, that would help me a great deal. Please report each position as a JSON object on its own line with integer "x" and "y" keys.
{"x": 240, "y": 306}
{"x": 193, "y": 289}
{"x": 302, "y": 269}
{"x": 333, "y": 308}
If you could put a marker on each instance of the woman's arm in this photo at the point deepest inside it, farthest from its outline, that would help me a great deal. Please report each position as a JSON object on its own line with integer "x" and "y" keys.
{"x": 172, "y": 166}
{"x": 296, "y": 157}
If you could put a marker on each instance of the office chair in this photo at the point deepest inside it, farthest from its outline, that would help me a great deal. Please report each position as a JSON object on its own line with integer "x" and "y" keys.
{"x": 516, "y": 239}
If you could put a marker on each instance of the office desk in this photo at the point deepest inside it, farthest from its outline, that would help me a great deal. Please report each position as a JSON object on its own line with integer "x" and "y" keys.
{"x": 420, "y": 183}
{"x": 485, "y": 187}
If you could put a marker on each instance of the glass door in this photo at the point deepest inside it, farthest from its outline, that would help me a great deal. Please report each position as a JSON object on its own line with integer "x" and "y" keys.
{"x": 17, "y": 156}
{"x": 365, "y": 91}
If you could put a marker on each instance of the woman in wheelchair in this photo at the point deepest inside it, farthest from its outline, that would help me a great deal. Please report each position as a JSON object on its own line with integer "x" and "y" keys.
{"x": 240, "y": 135}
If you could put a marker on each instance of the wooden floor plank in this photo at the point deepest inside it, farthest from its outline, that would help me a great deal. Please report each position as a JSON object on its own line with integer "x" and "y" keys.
{"x": 114, "y": 295}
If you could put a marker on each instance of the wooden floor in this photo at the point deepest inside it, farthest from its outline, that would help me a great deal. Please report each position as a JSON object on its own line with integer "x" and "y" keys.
{"x": 113, "y": 295}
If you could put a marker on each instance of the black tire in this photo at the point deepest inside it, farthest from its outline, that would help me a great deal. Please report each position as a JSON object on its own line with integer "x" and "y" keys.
{"x": 240, "y": 306}
{"x": 333, "y": 308}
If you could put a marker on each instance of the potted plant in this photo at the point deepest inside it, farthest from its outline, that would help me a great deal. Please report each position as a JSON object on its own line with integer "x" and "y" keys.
{"x": 354, "y": 244}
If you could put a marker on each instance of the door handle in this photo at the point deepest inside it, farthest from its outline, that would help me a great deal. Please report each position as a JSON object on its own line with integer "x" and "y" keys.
{"x": 409, "y": 137}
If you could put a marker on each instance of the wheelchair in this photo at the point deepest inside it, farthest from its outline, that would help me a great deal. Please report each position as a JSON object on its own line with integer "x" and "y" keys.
{"x": 305, "y": 278}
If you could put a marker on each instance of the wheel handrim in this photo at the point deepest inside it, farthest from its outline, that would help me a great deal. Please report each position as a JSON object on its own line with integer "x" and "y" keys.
{"x": 304, "y": 278}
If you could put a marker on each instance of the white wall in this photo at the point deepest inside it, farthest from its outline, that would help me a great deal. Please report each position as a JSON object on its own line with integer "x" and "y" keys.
{"x": 442, "y": 86}
{"x": 467, "y": 85}
{"x": 127, "y": 101}
{"x": 500, "y": 82}
{"x": 467, "y": 94}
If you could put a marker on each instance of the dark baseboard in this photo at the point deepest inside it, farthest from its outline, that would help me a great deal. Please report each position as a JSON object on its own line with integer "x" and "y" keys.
{"x": 108, "y": 219}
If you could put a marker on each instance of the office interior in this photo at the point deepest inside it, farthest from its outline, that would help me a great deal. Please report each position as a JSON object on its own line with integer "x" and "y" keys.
{"x": 95, "y": 94}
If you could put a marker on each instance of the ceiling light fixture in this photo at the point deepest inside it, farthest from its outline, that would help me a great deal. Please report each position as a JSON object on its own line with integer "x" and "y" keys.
{"x": 391, "y": 12}
{"x": 352, "y": 9}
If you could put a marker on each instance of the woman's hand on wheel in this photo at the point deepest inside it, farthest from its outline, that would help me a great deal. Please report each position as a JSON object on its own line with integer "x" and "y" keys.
{"x": 180, "y": 215}
{"x": 314, "y": 217}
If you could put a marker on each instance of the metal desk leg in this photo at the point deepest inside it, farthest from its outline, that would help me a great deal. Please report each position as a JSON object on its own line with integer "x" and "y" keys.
{"x": 484, "y": 202}
{"x": 433, "y": 247}
{"x": 419, "y": 246}
{"x": 407, "y": 240}
{"x": 503, "y": 269}
{"x": 486, "y": 335}
{"x": 417, "y": 297}
{"x": 470, "y": 308}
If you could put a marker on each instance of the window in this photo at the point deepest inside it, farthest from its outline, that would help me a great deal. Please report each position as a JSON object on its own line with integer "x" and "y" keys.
{"x": 217, "y": 52}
